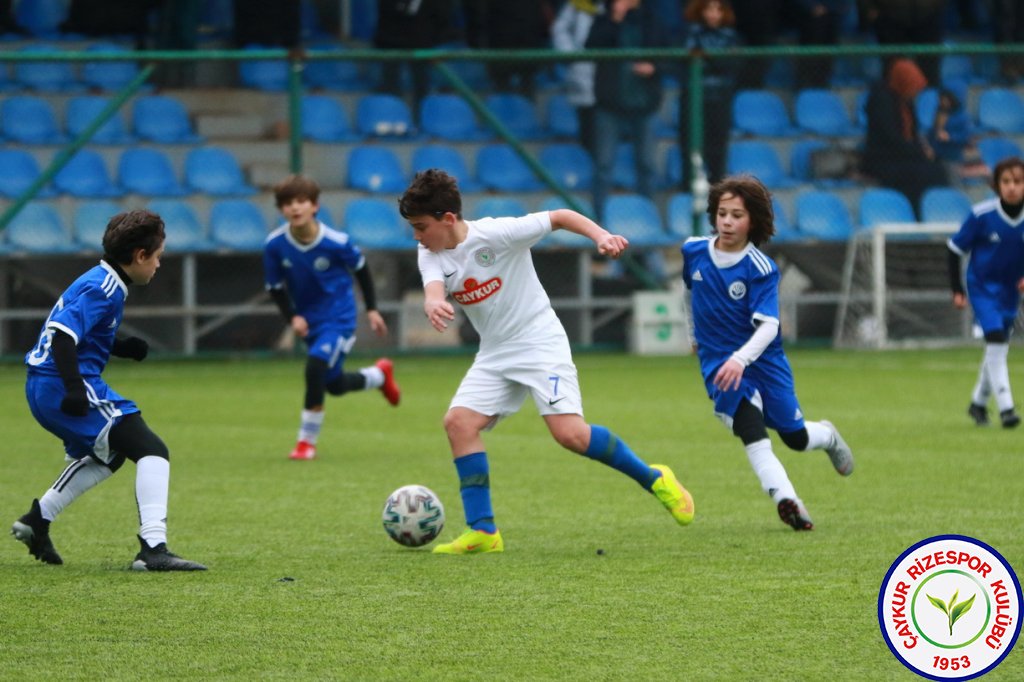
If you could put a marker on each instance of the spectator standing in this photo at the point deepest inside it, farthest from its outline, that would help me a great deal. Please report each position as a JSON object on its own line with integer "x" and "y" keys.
{"x": 1008, "y": 27}
{"x": 710, "y": 25}
{"x": 894, "y": 153}
{"x": 568, "y": 34}
{"x": 627, "y": 94}
{"x": 523, "y": 24}
{"x": 897, "y": 22}
{"x": 757, "y": 23}
{"x": 411, "y": 25}
{"x": 820, "y": 23}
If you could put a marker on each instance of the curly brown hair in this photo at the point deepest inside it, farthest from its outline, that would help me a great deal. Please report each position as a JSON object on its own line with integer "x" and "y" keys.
{"x": 756, "y": 199}
{"x": 431, "y": 192}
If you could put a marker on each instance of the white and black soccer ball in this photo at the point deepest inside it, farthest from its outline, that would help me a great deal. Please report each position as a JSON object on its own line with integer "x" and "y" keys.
{"x": 413, "y": 515}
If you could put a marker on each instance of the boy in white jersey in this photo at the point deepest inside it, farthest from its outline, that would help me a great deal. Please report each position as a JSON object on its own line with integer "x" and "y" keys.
{"x": 487, "y": 268}
{"x": 69, "y": 398}
{"x": 993, "y": 234}
{"x": 309, "y": 270}
{"x": 734, "y": 292}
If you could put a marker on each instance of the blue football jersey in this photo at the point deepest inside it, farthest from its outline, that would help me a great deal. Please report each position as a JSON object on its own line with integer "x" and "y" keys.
{"x": 317, "y": 276}
{"x": 727, "y": 302}
{"x": 89, "y": 311}
{"x": 995, "y": 243}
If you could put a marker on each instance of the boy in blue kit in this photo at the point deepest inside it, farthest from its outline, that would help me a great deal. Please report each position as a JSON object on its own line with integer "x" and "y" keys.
{"x": 734, "y": 314}
{"x": 69, "y": 398}
{"x": 309, "y": 270}
{"x": 993, "y": 235}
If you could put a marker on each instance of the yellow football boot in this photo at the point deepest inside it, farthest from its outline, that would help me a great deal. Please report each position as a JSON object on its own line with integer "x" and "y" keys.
{"x": 673, "y": 495}
{"x": 473, "y": 542}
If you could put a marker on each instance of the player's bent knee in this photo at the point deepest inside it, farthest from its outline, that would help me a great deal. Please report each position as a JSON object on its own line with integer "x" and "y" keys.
{"x": 996, "y": 337}
{"x": 569, "y": 431}
{"x": 796, "y": 440}
{"x": 748, "y": 424}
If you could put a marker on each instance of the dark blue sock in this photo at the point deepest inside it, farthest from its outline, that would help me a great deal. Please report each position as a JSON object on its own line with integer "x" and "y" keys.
{"x": 475, "y": 489}
{"x": 608, "y": 448}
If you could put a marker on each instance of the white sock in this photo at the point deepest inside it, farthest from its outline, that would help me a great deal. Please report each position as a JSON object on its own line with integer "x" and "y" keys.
{"x": 152, "y": 478}
{"x": 374, "y": 376}
{"x": 309, "y": 428}
{"x": 768, "y": 468}
{"x": 78, "y": 477}
{"x": 999, "y": 374}
{"x": 983, "y": 389}
{"x": 819, "y": 436}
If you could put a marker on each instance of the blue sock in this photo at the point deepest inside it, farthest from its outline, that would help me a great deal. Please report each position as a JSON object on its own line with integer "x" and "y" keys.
{"x": 475, "y": 489}
{"x": 609, "y": 449}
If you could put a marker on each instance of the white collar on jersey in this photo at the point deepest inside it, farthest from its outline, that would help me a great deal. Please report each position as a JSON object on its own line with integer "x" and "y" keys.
{"x": 320, "y": 231}
{"x": 117, "y": 278}
{"x": 726, "y": 259}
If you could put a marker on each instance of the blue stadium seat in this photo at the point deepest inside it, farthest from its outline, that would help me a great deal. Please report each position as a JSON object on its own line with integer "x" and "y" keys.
{"x": 448, "y": 159}
{"x": 149, "y": 172}
{"x": 517, "y": 114}
{"x": 624, "y": 167}
{"x": 112, "y": 75}
{"x": 45, "y": 76}
{"x": 500, "y": 169}
{"x": 375, "y": 169}
{"x": 333, "y": 74}
{"x": 324, "y": 119}
{"x": 37, "y": 228}
{"x": 759, "y": 159}
{"x": 449, "y": 117}
{"x": 944, "y": 205}
{"x": 822, "y": 112}
{"x": 1001, "y": 110}
{"x": 215, "y": 170}
{"x": 926, "y": 105}
{"x": 568, "y": 163}
{"x": 81, "y": 111}
{"x": 85, "y": 175}
{"x": 553, "y": 202}
{"x": 375, "y": 224}
{"x": 30, "y": 120}
{"x": 383, "y": 116}
{"x": 18, "y": 170}
{"x": 957, "y": 67}
{"x": 882, "y": 205}
{"x": 761, "y": 113}
{"x": 499, "y": 207}
{"x": 324, "y": 215}
{"x": 269, "y": 75}
{"x": 163, "y": 119}
{"x": 861, "y": 108}
{"x": 561, "y": 117}
{"x": 237, "y": 224}
{"x": 822, "y": 215}
{"x": 784, "y": 229}
{"x": 90, "y": 222}
{"x": 680, "y": 215}
{"x": 41, "y": 18}
{"x": 636, "y": 218}
{"x": 800, "y": 158}
{"x": 995, "y": 149}
{"x": 185, "y": 233}
{"x": 674, "y": 166}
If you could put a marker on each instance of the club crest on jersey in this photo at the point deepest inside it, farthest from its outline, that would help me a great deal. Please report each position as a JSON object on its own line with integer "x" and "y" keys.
{"x": 737, "y": 290}
{"x": 474, "y": 291}
{"x": 286, "y": 263}
{"x": 484, "y": 257}
{"x": 321, "y": 263}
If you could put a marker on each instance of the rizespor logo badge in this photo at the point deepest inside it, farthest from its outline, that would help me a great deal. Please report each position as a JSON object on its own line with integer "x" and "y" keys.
{"x": 949, "y": 608}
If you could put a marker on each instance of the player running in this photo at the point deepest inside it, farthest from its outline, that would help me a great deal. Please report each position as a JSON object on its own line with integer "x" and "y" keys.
{"x": 734, "y": 292}
{"x": 485, "y": 266}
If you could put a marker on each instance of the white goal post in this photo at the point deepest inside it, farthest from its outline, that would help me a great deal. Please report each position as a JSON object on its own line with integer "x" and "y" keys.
{"x": 895, "y": 289}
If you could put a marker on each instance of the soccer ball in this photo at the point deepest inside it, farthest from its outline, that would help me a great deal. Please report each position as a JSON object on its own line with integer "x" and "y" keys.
{"x": 413, "y": 515}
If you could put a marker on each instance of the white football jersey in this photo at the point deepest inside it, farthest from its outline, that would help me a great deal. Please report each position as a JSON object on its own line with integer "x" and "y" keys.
{"x": 490, "y": 275}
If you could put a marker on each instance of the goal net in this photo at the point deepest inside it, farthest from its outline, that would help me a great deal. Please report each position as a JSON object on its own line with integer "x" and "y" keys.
{"x": 895, "y": 289}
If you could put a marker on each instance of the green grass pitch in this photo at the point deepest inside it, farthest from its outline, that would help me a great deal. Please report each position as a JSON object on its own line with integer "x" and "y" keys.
{"x": 735, "y": 596}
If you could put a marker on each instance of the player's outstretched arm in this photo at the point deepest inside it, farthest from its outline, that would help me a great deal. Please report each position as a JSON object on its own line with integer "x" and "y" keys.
{"x": 436, "y": 306}
{"x": 608, "y": 244}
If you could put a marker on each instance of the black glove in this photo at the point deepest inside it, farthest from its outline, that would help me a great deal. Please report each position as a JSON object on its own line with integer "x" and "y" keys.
{"x": 75, "y": 402}
{"x": 133, "y": 347}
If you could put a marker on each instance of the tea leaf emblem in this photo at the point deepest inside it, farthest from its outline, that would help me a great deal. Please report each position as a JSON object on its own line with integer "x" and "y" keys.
{"x": 954, "y": 610}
